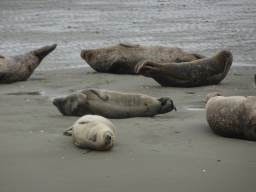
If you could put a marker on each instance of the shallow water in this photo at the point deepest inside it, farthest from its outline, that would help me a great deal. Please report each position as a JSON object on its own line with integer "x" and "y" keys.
{"x": 204, "y": 27}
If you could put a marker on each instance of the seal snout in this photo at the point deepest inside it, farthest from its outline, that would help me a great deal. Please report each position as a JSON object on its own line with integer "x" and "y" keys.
{"x": 44, "y": 51}
{"x": 167, "y": 105}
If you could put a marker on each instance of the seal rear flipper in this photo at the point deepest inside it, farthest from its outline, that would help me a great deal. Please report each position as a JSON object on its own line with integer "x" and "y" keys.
{"x": 44, "y": 51}
{"x": 118, "y": 66}
{"x": 1, "y": 56}
{"x": 68, "y": 131}
{"x": 145, "y": 68}
{"x": 101, "y": 94}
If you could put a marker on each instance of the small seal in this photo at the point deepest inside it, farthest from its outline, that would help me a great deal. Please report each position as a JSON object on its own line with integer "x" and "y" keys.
{"x": 208, "y": 71}
{"x": 122, "y": 58}
{"x": 233, "y": 116}
{"x": 21, "y": 67}
{"x": 111, "y": 104}
{"x": 93, "y": 132}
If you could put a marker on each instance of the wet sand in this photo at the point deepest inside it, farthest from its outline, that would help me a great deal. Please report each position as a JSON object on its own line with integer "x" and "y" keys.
{"x": 176, "y": 151}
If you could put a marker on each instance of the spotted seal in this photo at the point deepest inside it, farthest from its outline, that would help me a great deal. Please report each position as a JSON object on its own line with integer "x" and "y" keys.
{"x": 20, "y": 67}
{"x": 93, "y": 132}
{"x": 122, "y": 58}
{"x": 207, "y": 71}
{"x": 111, "y": 104}
{"x": 233, "y": 116}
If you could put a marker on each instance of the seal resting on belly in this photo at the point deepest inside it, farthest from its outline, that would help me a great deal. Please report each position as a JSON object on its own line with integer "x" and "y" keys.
{"x": 207, "y": 71}
{"x": 122, "y": 58}
{"x": 233, "y": 116}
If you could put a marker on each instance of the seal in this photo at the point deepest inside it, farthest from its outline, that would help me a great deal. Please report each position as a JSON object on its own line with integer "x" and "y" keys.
{"x": 123, "y": 57}
{"x": 233, "y": 116}
{"x": 211, "y": 95}
{"x": 111, "y": 104}
{"x": 20, "y": 67}
{"x": 207, "y": 71}
{"x": 93, "y": 132}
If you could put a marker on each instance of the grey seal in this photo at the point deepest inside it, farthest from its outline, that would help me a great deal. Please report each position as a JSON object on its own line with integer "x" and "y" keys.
{"x": 20, "y": 67}
{"x": 123, "y": 57}
{"x": 207, "y": 71}
{"x": 111, "y": 104}
{"x": 93, "y": 132}
{"x": 233, "y": 116}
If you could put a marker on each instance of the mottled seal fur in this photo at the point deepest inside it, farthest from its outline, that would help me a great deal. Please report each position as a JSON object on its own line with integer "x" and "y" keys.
{"x": 111, "y": 104}
{"x": 207, "y": 71}
{"x": 122, "y": 58}
{"x": 233, "y": 116}
{"x": 93, "y": 132}
{"x": 21, "y": 67}
{"x": 211, "y": 95}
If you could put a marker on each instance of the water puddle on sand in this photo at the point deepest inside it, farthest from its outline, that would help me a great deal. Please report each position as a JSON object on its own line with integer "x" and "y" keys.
{"x": 199, "y": 106}
{"x": 25, "y": 93}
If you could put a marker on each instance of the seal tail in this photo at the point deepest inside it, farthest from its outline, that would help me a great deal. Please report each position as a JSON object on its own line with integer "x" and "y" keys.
{"x": 145, "y": 68}
{"x": 68, "y": 131}
{"x": 44, "y": 51}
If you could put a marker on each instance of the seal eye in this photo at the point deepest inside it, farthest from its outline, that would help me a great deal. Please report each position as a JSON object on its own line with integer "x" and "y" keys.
{"x": 83, "y": 122}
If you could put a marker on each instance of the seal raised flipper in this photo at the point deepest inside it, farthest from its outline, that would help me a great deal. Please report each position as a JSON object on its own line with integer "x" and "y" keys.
{"x": 68, "y": 131}
{"x": 42, "y": 52}
{"x": 101, "y": 94}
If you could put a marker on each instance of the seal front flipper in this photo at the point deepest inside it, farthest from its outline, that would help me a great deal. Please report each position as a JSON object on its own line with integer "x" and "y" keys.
{"x": 68, "y": 131}
{"x": 119, "y": 65}
{"x": 101, "y": 94}
{"x": 145, "y": 68}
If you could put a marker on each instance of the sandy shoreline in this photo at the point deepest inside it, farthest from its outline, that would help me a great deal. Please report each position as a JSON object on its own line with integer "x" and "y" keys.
{"x": 176, "y": 151}
{"x": 159, "y": 153}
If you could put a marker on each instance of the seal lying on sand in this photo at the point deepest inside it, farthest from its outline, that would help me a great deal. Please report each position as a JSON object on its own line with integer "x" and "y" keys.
{"x": 21, "y": 67}
{"x": 112, "y": 104}
{"x": 93, "y": 132}
{"x": 122, "y": 58}
{"x": 233, "y": 116}
{"x": 208, "y": 71}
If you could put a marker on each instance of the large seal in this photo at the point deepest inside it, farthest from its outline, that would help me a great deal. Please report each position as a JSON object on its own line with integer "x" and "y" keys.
{"x": 93, "y": 132}
{"x": 111, "y": 104}
{"x": 21, "y": 67}
{"x": 208, "y": 71}
{"x": 122, "y": 58}
{"x": 233, "y": 116}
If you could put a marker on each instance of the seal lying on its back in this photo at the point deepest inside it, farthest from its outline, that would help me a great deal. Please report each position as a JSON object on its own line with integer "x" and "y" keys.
{"x": 93, "y": 132}
{"x": 208, "y": 71}
{"x": 122, "y": 58}
{"x": 21, "y": 67}
{"x": 233, "y": 116}
{"x": 112, "y": 104}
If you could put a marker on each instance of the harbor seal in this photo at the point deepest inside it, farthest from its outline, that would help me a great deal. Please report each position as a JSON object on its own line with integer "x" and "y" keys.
{"x": 207, "y": 71}
{"x": 20, "y": 67}
{"x": 111, "y": 104}
{"x": 233, "y": 116}
{"x": 123, "y": 57}
{"x": 93, "y": 132}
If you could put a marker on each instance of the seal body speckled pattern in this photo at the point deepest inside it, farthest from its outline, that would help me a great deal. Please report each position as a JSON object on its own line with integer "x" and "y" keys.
{"x": 111, "y": 104}
{"x": 122, "y": 58}
{"x": 233, "y": 116}
{"x": 208, "y": 71}
{"x": 93, "y": 132}
{"x": 21, "y": 67}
